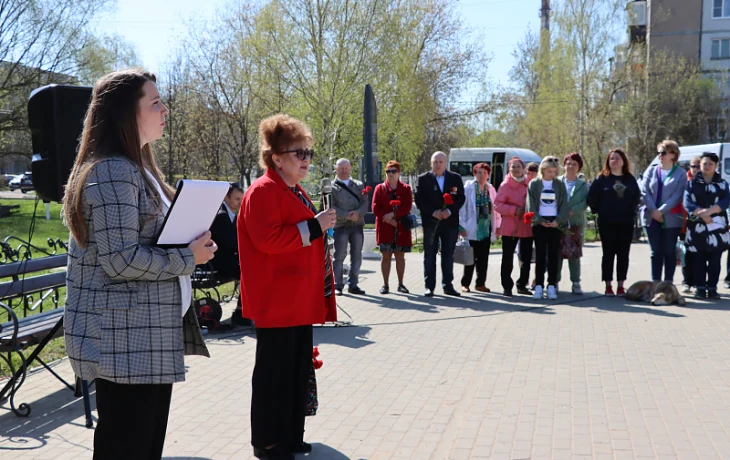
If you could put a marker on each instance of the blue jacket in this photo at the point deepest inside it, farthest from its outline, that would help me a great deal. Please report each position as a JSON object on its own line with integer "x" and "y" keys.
{"x": 672, "y": 195}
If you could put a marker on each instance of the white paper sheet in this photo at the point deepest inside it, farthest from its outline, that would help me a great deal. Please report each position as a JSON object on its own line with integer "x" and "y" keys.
{"x": 716, "y": 224}
{"x": 193, "y": 211}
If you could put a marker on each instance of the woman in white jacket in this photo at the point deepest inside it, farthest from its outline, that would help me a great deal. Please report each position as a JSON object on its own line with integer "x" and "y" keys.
{"x": 478, "y": 223}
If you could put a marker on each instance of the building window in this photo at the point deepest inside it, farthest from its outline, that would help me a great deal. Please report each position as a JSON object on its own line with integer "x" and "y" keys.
{"x": 721, "y": 9}
{"x": 721, "y": 48}
{"x": 717, "y": 129}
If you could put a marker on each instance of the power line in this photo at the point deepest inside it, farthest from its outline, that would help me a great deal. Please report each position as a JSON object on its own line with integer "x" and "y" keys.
{"x": 157, "y": 21}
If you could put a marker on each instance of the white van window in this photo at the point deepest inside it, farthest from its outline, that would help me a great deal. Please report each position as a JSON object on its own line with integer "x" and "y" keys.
{"x": 727, "y": 166}
{"x": 465, "y": 168}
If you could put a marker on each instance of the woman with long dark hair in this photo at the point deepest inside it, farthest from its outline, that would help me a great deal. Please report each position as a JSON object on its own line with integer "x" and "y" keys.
{"x": 614, "y": 196}
{"x": 127, "y": 321}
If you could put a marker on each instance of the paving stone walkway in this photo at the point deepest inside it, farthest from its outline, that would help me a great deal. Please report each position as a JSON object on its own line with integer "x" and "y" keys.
{"x": 478, "y": 377}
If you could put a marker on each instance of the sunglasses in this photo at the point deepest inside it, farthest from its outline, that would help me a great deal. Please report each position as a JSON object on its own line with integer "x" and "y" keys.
{"x": 694, "y": 166}
{"x": 302, "y": 154}
{"x": 391, "y": 171}
{"x": 662, "y": 152}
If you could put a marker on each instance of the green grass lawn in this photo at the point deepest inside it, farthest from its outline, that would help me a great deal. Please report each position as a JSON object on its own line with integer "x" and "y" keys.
{"x": 18, "y": 225}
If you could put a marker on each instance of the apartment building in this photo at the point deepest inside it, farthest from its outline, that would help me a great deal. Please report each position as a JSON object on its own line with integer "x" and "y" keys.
{"x": 715, "y": 35}
{"x": 698, "y": 30}
{"x": 675, "y": 26}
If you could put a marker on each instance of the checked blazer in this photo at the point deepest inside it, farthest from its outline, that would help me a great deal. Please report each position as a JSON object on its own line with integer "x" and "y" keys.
{"x": 123, "y": 318}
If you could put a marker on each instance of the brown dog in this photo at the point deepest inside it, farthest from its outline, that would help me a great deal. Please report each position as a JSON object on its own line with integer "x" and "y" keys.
{"x": 656, "y": 293}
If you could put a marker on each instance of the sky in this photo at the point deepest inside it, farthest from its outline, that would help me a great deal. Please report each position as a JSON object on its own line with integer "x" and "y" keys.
{"x": 153, "y": 26}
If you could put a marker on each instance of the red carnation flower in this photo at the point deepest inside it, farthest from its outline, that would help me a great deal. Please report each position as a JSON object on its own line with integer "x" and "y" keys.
{"x": 527, "y": 218}
{"x": 317, "y": 363}
{"x": 395, "y": 203}
{"x": 366, "y": 190}
{"x": 315, "y": 352}
{"x": 448, "y": 200}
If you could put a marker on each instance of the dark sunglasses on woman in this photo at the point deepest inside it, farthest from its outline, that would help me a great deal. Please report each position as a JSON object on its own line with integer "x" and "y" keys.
{"x": 302, "y": 154}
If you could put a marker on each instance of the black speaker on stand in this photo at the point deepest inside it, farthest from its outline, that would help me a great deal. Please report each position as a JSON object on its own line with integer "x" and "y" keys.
{"x": 56, "y": 118}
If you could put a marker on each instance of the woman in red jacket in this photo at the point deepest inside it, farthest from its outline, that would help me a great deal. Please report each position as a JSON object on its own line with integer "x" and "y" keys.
{"x": 392, "y": 200}
{"x": 283, "y": 260}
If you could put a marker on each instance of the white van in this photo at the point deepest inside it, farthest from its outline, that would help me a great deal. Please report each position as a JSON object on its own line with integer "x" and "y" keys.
{"x": 687, "y": 152}
{"x": 463, "y": 160}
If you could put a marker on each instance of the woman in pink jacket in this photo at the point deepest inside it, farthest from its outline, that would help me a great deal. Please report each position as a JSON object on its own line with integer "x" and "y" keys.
{"x": 510, "y": 204}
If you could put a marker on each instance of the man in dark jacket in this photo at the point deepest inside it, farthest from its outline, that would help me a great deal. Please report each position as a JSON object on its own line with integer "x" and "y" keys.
{"x": 440, "y": 221}
{"x": 223, "y": 232}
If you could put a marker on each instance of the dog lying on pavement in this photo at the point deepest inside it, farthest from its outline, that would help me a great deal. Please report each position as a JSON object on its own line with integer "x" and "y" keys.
{"x": 656, "y": 293}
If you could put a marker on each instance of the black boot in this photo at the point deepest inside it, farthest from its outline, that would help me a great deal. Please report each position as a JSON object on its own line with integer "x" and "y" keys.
{"x": 237, "y": 319}
{"x": 278, "y": 452}
{"x": 301, "y": 448}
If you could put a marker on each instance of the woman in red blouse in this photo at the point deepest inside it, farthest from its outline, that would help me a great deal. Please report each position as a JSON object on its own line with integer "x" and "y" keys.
{"x": 283, "y": 266}
{"x": 392, "y": 200}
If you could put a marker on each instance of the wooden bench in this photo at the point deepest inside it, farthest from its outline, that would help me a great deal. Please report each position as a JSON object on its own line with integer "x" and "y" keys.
{"x": 18, "y": 334}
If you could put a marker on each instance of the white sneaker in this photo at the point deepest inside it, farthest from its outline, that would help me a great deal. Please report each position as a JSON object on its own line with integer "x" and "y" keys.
{"x": 576, "y": 288}
{"x": 686, "y": 289}
{"x": 551, "y": 294}
{"x": 538, "y": 293}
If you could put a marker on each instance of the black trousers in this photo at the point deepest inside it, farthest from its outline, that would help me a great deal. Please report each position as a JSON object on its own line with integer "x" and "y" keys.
{"x": 447, "y": 237}
{"x": 707, "y": 269}
{"x": 280, "y": 385}
{"x": 481, "y": 262}
{"x": 509, "y": 244}
{"x": 688, "y": 269}
{"x": 727, "y": 267}
{"x": 547, "y": 241}
{"x": 616, "y": 240}
{"x": 132, "y": 420}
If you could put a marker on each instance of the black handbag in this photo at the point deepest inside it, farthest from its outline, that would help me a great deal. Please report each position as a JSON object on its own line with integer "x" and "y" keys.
{"x": 312, "y": 399}
{"x": 409, "y": 221}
